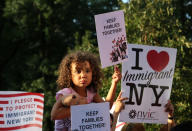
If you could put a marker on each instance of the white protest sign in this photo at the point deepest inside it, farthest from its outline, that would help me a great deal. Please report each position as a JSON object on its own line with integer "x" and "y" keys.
{"x": 111, "y": 37}
{"x": 21, "y": 111}
{"x": 94, "y": 117}
{"x": 147, "y": 81}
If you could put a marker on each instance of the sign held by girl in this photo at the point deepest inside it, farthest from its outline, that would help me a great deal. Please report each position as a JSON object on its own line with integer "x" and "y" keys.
{"x": 111, "y": 37}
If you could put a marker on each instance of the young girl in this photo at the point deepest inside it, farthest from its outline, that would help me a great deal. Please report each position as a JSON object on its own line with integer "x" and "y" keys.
{"x": 79, "y": 79}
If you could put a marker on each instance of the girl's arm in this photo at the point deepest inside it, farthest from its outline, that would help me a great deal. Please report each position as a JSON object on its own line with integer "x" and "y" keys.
{"x": 61, "y": 109}
{"x": 115, "y": 79}
{"x": 111, "y": 94}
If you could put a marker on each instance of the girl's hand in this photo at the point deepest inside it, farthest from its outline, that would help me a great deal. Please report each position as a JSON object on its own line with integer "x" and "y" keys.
{"x": 116, "y": 75}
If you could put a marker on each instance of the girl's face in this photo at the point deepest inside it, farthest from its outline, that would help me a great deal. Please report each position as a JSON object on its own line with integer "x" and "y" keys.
{"x": 81, "y": 74}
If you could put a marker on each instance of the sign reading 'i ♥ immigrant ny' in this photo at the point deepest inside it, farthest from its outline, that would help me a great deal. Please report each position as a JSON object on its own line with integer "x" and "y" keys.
{"x": 147, "y": 81}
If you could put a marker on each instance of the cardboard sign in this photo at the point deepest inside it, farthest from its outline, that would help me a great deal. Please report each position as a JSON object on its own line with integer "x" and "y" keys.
{"x": 21, "y": 111}
{"x": 90, "y": 117}
{"x": 111, "y": 37}
{"x": 147, "y": 81}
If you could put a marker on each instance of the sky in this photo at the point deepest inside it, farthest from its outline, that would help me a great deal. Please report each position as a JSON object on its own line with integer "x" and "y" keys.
{"x": 125, "y": 1}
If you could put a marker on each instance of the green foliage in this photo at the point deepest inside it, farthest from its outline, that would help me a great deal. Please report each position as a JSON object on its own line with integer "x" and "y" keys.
{"x": 36, "y": 34}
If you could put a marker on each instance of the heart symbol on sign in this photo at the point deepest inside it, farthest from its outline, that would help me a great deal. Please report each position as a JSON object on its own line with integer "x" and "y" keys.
{"x": 157, "y": 61}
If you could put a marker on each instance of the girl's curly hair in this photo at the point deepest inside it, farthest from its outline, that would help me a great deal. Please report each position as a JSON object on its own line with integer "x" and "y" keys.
{"x": 64, "y": 79}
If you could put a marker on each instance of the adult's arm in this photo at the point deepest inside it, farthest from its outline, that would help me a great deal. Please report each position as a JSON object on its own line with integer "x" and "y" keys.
{"x": 119, "y": 106}
{"x": 170, "y": 123}
{"x": 61, "y": 109}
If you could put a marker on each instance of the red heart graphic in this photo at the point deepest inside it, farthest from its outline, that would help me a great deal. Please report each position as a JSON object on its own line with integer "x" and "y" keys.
{"x": 157, "y": 61}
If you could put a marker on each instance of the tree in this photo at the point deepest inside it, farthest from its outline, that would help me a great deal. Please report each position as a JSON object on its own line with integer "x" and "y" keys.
{"x": 184, "y": 13}
{"x": 35, "y": 35}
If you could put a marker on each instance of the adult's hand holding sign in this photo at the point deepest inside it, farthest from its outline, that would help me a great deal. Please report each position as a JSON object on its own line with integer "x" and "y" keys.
{"x": 93, "y": 117}
{"x": 147, "y": 82}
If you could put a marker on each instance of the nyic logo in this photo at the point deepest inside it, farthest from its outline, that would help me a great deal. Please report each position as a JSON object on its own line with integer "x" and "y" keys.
{"x": 132, "y": 114}
{"x": 141, "y": 114}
